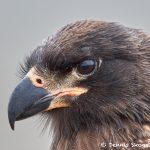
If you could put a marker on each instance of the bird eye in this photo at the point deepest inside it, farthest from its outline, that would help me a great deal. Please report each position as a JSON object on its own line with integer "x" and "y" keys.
{"x": 86, "y": 67}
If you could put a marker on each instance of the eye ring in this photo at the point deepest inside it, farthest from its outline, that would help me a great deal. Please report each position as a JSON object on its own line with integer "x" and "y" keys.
{"x": 87, "y": 67}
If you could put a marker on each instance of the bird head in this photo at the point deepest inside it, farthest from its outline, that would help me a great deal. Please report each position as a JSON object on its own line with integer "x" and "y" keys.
{"x": 89, "y": 74}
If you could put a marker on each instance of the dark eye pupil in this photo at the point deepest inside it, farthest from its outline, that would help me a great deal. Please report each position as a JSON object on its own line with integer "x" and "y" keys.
{"x": 86, "y": 67}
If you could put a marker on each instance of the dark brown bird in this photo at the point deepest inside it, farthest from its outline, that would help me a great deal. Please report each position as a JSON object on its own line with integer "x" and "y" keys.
{"x": 91, "y": 82}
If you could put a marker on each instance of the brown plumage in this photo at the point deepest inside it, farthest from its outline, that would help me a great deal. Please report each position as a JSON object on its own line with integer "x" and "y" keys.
{"x": 99, "y": 73}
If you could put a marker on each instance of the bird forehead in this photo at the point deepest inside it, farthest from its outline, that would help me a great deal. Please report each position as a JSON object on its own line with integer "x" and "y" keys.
{"x": 62, "y": 57}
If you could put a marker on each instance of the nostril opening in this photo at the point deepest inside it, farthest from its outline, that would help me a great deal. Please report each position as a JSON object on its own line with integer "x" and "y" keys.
{"x": 39, "y": 81}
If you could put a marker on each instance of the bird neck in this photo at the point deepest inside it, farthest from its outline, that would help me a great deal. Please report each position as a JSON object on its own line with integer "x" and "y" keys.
{"x": 103, "y": 136}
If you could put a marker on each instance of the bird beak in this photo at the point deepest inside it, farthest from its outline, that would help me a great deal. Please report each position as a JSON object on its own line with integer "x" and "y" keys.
{"x": 30, "y": 98}
{"x": 26, "y": 100}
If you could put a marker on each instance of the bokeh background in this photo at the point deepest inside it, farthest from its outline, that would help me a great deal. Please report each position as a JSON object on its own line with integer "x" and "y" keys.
{"x": 23, "y": 25}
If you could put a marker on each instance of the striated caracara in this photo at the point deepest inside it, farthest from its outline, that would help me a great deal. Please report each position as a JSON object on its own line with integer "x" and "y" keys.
{"x": 91, "y": 82}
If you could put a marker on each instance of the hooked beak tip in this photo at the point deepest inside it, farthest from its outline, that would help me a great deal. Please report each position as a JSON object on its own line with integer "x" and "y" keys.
{"x": 12, "y": 126}
{"x": 12, "y": 123}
